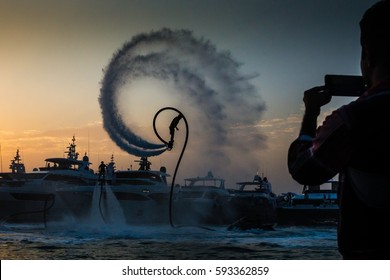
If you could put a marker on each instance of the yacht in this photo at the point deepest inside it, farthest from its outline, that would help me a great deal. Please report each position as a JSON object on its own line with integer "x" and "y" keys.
{"x": 253, "y": 205}
{"x": 33, "y": 196}
{"x": 68, "y": 188}
{"x": 201, "y": 200}
{"x": 316, "y": 205}
{"x": 206, "y": 201}
{"x": 122, "y": 196}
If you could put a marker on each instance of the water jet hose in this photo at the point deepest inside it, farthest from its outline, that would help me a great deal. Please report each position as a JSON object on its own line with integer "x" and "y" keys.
{"x": 172, "y": 128}
{"x": 46, "y": 207}
{"x": 102, "y": 182}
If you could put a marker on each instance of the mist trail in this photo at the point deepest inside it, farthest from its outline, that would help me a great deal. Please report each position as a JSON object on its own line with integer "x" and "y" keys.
{"x": 228, "y": 105}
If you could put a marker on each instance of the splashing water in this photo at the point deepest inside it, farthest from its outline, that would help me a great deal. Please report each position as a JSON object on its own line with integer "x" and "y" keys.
{"x": 105, "y": 208}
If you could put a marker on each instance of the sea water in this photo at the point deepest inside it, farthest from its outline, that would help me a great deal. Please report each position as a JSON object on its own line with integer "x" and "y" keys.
{"x": 105, "y": 235}
{"x": 93, "y": 241}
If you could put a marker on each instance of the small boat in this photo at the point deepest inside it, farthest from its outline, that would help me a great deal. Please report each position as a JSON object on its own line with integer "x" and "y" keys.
{"x": 33, "y": 196}
{"x": 317, "y": 205}
{"x": 253, "y": 205}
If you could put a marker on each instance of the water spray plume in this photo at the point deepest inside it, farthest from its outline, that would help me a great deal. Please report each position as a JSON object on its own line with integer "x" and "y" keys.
{"x": 210, "y": 80}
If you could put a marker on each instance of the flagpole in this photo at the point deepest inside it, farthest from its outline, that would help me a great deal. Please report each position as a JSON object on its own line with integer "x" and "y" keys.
{"x": 1, "y": 159}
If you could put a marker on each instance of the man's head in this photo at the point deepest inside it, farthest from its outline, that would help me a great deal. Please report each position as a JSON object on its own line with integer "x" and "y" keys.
{"x": 374, "y": 39}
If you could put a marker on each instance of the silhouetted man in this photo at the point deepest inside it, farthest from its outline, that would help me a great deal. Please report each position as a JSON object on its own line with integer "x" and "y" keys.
{"x": 354, "y": 142}
{"x": 172, "y": 128}
{"x": 102, "y": 171}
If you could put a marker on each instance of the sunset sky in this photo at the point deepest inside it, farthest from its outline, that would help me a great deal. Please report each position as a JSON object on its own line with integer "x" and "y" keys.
{"x": 53, "y": 56}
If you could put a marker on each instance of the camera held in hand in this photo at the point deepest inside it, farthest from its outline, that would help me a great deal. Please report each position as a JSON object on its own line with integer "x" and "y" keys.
{"x": 345, "y": 85}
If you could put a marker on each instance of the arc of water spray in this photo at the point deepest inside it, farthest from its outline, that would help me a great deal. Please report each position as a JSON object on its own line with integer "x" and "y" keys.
{"x": 209, "y": 77}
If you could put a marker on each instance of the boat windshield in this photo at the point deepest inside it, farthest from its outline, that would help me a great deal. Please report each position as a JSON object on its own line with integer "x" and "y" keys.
{"x": 204, "y": 182}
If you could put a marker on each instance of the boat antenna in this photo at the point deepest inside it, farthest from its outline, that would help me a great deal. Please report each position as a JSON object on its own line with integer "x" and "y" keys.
{"x": 1, "y": 159}
{"x": 88, "y": 143}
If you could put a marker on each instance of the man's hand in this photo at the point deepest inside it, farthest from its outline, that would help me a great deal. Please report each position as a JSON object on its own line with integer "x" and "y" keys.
{"x": 316, "y": 97}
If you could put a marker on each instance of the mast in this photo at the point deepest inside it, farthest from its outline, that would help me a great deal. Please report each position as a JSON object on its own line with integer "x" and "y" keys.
{"x": 72, "y": 154}
{"x": 17, "y": 166}
{"x": 1, "y": 159}
{"x": 89, "y": 154}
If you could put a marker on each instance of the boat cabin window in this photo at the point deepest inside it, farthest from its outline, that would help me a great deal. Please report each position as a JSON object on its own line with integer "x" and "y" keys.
{"x": 205, "y": 183}
{"x": 138, "y": 175}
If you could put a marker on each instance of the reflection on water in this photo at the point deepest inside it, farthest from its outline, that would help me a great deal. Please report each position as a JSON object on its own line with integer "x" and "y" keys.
{"x": 101, "y": 241}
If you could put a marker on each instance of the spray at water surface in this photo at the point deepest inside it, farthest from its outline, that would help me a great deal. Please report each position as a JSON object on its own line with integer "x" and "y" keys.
{"x": 221, "y": 104}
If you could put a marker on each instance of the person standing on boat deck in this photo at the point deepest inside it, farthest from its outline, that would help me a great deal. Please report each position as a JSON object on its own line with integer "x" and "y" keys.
{"x": 267, "y": 185}
{"x": 353, "y": 141}
{"x": 102, "y": 171}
